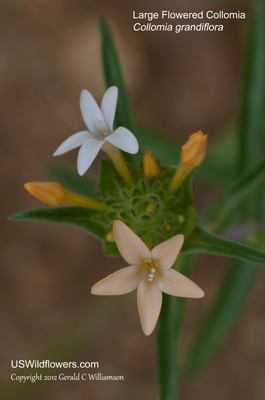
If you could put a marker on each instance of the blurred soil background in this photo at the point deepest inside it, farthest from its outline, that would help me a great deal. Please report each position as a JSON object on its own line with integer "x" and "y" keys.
{"x": 50, "y": 51}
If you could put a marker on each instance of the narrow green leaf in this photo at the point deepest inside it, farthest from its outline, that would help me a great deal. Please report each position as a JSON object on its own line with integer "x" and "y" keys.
{"x": 168, "y": 334}
{"x": 221, "y": 316}
{"x": 77, "y": 216}
{"x": 253, "y": 103}
{"x": 72, "y": 181}
{"x": 246, "y": 185}
{"x": 113, "y": 76}
{"x": 253, "y": 96}
{"x": 203, "y": 241}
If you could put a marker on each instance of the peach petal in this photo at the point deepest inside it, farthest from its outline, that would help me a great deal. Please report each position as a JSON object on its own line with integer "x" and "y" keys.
{"x": 174, "y": 283}
{"x": 149, "y": 301}
{"x": 131, "y": 247}
{"x": 165, "y": 254}
{"x": 120, "y": 282}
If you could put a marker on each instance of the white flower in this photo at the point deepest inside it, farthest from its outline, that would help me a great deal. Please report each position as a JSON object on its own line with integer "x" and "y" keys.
{"x": 149, "y": 271}
{"x": 99, "y": 122}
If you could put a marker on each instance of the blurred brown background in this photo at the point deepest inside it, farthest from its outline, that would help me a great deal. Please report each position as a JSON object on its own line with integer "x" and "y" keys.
{"x": 50, "y": 51}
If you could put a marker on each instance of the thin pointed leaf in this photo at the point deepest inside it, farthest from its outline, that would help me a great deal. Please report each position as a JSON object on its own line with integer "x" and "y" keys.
{"x": 203, "y": 241}
{"x": 246, "y": 185}
{"x": 223, "y": 313}
{"x": 77, "y": 216}
{"x": 253, "y": 102}
{"x": 253, "y": 96}
{"x": 73, "y": 182}
{"x": 113, "y": 76}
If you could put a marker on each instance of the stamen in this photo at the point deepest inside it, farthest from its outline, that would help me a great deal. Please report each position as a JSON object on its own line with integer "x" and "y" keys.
{"x": 151, "y": 277}
{"x": 150, "y": 269}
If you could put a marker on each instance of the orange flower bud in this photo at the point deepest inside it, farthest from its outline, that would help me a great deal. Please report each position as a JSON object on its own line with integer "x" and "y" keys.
{"x": 151, "y": 168}
{"x": 193, "y": 152}
{"x": 55, "y": 195}
{"x": 49, "y": 192}
{"x": 192, "y": 155}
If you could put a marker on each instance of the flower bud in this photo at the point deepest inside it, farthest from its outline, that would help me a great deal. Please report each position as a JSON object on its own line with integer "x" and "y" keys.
{"x": 193, "y": 152}
{"x": 192, "y": 155}
{"x": 55, "y": 195}
{"x": 151, "y": 168}
{"x": 49, "y": 192}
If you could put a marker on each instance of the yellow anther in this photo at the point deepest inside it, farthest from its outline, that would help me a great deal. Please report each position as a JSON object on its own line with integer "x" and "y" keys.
{"x": 167, "y": 226}
{"x": 110, "y": 237}
{"x": 150, "y": 208}
{"x": 181, "y": 218}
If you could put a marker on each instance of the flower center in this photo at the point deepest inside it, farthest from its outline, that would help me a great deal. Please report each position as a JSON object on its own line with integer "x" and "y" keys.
{"x": 102, "y": 129}
{"x": 149, "y": 266}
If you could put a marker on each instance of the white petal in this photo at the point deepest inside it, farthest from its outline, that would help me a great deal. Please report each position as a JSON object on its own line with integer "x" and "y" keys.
{"x": 149, "y": 300}
{"x": 174, "y": 283}
{"x": 123, "y": 281}
{"x": 124, "y": 140}
{"x": 131, "y": 247}
{"x": 108, "y": 105}
{"x": 75, "y": 140}
{"x": 165, "y": 254}
{"x": 87, "y": 154}
{"x": 91, "y": 113}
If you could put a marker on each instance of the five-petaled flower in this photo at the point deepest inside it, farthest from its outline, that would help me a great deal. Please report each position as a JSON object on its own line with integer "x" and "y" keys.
{"x": 99, "y": 122}
{"x": 149, "y": 271}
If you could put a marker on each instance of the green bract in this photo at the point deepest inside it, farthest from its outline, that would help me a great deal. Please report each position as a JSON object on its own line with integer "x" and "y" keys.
{"x": 146, "y": 207}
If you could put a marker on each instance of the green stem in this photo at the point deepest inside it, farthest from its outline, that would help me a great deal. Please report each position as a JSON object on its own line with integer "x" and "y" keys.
{"x": 168, "y": 334}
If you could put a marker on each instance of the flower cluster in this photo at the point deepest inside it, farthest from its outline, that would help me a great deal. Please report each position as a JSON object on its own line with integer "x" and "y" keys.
{"x": 147, "y": 199}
